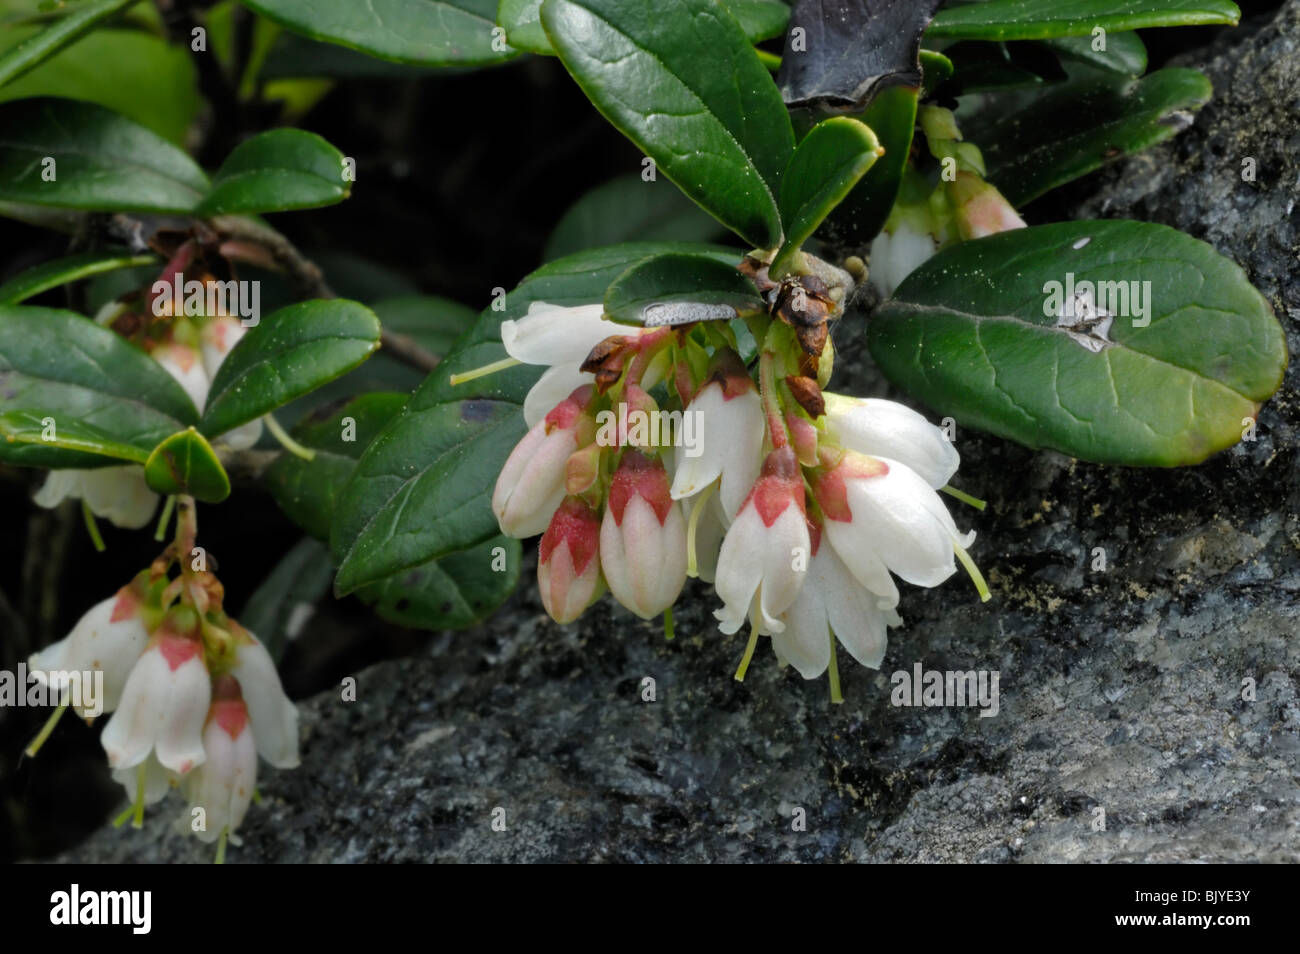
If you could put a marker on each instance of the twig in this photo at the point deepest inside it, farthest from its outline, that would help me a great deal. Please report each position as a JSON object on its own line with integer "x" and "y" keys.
{"x": 309, "y": 282}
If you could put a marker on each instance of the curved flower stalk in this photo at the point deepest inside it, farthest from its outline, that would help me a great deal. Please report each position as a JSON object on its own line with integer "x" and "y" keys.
{"x": 192, "y": 698}
{"x": 801, "y": 506}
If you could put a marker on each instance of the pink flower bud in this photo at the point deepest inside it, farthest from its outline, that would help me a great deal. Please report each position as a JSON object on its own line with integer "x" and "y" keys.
{"x": 568, "y": 571}
{"x": 531, "y": 483}
{"x": 643, "y": 537}
{"x": 979, "y": 209}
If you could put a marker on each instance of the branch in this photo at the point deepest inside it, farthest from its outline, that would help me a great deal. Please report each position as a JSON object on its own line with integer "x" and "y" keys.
{"x": 309, "y": 281}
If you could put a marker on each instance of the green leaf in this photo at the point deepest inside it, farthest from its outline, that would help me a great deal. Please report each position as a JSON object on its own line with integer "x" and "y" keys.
{"x": 827, "y": 164}
{"x": 430, "y": 321}
{"x": 1125, "y": 53}
{"x": 979, "y": 66}
{"x": 935, "y": 71}
{"x": 629, "y": 209}
{"x": 61, "y": 365}
{"x": 101, "y": 161}
{"x": 62, "y": 271}
{"x": 759, "y": 20}
{"x": 862, "y": 214}
{"x": 452, "y": 593}
{"x": 276, "y": 171}
{"x": 421, "y": 32}
{"x": 306, "y": 489}
{"x": 1077, "y": 128}
{"x": 457, "y": 590}
{"x": 134, "y": 73}
{"x": 678, "y": 288}
{"x": 1036, "y": 19}
{"x": 34, "y": 50}
{"x": 522, "y": 21}
{"x": 288, "y": 354}
{"x": 30, "y": 427}
{"x": 185, "y": 463}
{"x": 967, "y": 333}
{"x": 423, "y": 487}
{"x": 274, "y": 613}
{"x": 722, "y": 135}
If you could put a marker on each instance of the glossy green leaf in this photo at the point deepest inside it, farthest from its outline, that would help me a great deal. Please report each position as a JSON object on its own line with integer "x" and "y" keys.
{"x": 422, "y": 32}
{"x": 430, "y": 321}
{"x": 827, "y": 164}
{"x": 306, "y": 490}
{"x": 722, "y": 135}
{"x": 1124, "y": 53}
{"x": 1035, "y": 19}
{"x": 452, "y": 593}
{"x": 522, "y": 21}
{"x": 58, "y": 364}
{"x": 185, "y": 463}
{"x": 423, "y": 487}
{"x": 1070, "y": 131}
{"x": 58, "y": 152}
{"x": 289, "y": 353}
{"x": 136, "y": 74}
{"x": 979, "y": 66}
{"x": 43, "y": 430}
{"x": 862, "y": 214}
{"x": 61, "y": 271}
{"x": 34, "y": 50}
{"x": 1188, "y": 353}
{"x": 935, "y": 71}
{"x": 759, "y": 20}
{"x": 457, "y": 590}
{"x": 276, "y": 171}
{"x": 678, "y": 288}
{"x": 629, "y": 209}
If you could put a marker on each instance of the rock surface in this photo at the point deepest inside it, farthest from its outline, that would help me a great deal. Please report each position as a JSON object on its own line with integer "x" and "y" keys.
{"x": 1157, "y": 694}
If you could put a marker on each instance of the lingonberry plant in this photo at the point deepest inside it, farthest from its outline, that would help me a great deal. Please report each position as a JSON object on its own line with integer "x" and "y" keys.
{"x": 654, "y": 409}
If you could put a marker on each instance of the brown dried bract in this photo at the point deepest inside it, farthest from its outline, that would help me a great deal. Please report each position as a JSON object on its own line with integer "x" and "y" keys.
{"x": 607, "y": 360}
{"x": 801, "y": 301}
{"x": 807, "y": 395}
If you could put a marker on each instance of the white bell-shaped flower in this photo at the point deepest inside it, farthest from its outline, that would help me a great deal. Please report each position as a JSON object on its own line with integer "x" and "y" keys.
{"x": 109, "y": 637}
{"x": 879, "y": 428}
{"x": 274, "y": 716}
{"x": 764, "y": 556}
{"x": 223, "y": 785}
{"x": 165, "y": 701}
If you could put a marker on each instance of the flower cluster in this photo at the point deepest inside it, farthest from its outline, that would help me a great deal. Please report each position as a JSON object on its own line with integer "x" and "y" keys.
{"x": 800, "y": 505}
{"x": 191, "y": 348}
{"x": 194, "y": 697}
